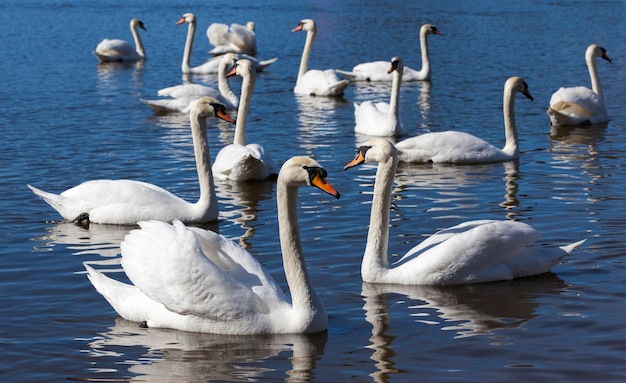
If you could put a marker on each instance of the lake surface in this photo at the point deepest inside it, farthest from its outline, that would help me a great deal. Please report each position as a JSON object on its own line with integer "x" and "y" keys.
{"x": 66, "y": 120}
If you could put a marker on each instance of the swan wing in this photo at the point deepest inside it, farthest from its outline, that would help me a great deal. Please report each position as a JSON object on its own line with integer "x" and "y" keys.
{"x": 321, "y": 83}
{"x": 577, "y": 105}
{"x": 239, "y": 162}
{"x": 115, "y": 49}
{"x": 197, "y": 272}
{"x": 370, "y": 71}
{"x": 450, "y": 147}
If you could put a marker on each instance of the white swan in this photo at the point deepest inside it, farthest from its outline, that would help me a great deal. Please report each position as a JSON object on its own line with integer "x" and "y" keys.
{"x": 126, "y": 202}
{"x": 377, "y": 70}
{"x": 238, "y": 161}
{"x": 459, "y": 147}
{"x": 120, "y": 50}
{"x": 235, "y": 38}
{"x": 472, "y": 252}
{"x": 182, "y": 96}
{"x": 190, "y": 279}
{"x": 315, "y": 82}
{"x": 381, "y": 118}
{"x": 211, "y": 66}
{"x": 580, "y": 105}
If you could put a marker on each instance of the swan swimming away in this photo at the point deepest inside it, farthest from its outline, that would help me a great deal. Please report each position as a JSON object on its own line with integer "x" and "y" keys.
{"x": 381, "y": 118}
{"x": 238, "y": 161}
{"x": 376, "y": 71}
{"x": 126, "y": 202}
{"x": 235, "y": 38}
{"x": 119, "y": 50}
{"x": 211, "y": 66}
{"x": 315, "y": 82}
{"x": 182, "y": 96}
{"x": 471, "y": 252}
{"x": 460, "y": 147}
{"x": 189, "y": 279}
{"x": 580, "y": 105}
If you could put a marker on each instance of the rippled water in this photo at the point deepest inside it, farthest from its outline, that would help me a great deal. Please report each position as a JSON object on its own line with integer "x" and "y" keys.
{"x": 65, "y": 120}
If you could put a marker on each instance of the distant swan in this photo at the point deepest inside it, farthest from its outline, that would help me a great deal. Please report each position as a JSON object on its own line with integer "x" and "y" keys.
{"x": 580, "y": 105}
{"x": 189, "y": 279}
{"x": 235, "y": 38}
{"x": 238, "y": 161}
{"x": 381, "y": 118}
{"x": 120, "y": 50}
{"x": 459, "y": 147}
{"x": 472, "y": 252}
{"x": 377, "y": 70}
{"x": 125, "y": 202}
{"x": 182, "y": 96}
{"x": 315, "y": 82}
{"x": 211, "y": 66}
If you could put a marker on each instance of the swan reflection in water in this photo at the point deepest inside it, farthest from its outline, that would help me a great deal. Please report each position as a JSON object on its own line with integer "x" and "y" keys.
{"x": 169, "y": 355}
{"x": 466, "y": 310}
{"x": 318, "y": 125}
{"x": 109, "y": 74}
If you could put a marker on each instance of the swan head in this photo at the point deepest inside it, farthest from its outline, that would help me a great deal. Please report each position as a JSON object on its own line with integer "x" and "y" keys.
{"x": 397, "y": 64}
{"x": 241, "y": 68}
{"x": 373, "y": 150}
{"x": 595, "y": 50}
{"x": 250, "y": 25}
{"x": 429, "y": 29}
{"x": 187, "y": 18}
{"x": 517, "y": 84}
{"x": 305, "y": 25}
{"x": 137, "y": 23}
{"x": 300, "y": 170}
{"x": 228, "y": 61}
{"x": 205, "y": 107}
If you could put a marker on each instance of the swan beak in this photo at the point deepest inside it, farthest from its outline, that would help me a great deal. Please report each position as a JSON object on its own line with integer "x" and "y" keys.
{"x": 232, "y": 72}
{"x": 179, "y": 22}
{"x": 222, "y": 114}
{"x": 320, "y": 182}
{"x": 527, "y": 94}
{"x": 358, "y": 160}
{"x": 298, "y": 28}
{"x": 604, "y": 56}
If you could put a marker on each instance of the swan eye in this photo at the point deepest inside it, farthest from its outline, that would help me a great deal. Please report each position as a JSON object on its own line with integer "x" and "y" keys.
{"x": 316, "y": 171}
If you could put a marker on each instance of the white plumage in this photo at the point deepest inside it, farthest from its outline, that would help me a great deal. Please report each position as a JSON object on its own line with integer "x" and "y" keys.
{"x": 110, "y": 50}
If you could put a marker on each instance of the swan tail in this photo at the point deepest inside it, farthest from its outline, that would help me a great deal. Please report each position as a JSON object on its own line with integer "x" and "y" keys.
{"x": 265, "y": 63}
{"x": 164, "y": 106}
{"x": 571, "y": 247}
{"x": 338, "y": 88}
{"x": 350, "y": 75}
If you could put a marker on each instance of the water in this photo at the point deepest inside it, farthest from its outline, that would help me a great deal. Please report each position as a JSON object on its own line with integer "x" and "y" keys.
{"x": 65, "y": 120}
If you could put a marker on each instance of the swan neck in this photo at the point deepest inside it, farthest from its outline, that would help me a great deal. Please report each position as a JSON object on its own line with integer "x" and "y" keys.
{"x": 593, "y": 74}
{"x": 510, "y": 128}
{"x": 203, "y": 159}
{"x": 223, "y": 85}
{"x": 394, "y": 100}
{"x": 191, "y": 32}
{"x": 375, "y": 259}
{"x": 138, "y": 43}
{"x": 425, "y": 59}
{"x": 247, "y": 88}
{"x": 304, "y": 60}
{"x": 303, "y": 296}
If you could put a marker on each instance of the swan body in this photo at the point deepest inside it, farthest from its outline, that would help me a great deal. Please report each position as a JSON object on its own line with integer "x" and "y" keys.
{"x": 126, "y": 202}
{"x": 459, "y": 147}
{"x": 235, "y": 38}
{"x": 182, "y": 96}
{"x": 315, "y": 82}
{"x": 376, "y": 71}
{"x": 238, "y": 161}
{"x": 471, "y": 252}
{"x": 580, "y": 105}
{"x": 189, "y": 279}
{"x": 211, "y": 66}
{"x": 119, "y": 50}
{"x": 381, "y": 118}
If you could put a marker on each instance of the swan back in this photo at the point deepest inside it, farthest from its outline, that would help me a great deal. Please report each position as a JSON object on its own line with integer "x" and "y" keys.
{"x": 111, "y": 50}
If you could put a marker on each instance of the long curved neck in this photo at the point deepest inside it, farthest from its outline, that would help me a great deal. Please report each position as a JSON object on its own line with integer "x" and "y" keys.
{"x": 375, "y": 259}
{"x": 138, "y": 43}
{"x": 247, "y": 87}
{"x": 203, "y": 162}
{"x": 511, "y": 146}
{"x": 425, "y": 59}
{"x": 394, "y": 101}
{"x": 593, "y": 74}
{"x": 303, "y": 296}
{"x": 191, "y": 32}
{"x": 223, "y": 86}
{"x": 304, "y": 61}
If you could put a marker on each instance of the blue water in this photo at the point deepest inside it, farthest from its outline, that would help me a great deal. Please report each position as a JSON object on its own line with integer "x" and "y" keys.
{"x": 66, "y": 119}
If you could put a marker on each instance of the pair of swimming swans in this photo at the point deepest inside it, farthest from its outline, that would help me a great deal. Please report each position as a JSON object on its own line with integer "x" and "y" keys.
{"x": 113, "y": 50}
{"x": 377, "y": 70}
{"x": 580, "y": 105}
{"x": 125, "y": 202}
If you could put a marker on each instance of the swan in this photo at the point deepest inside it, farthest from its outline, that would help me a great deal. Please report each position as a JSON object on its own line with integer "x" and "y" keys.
{"x": 120, "y": 50}
{"x": 459, "y": 147}
{"x": 189, "y": 279}
{"x": 238, "y": 161}
{"x": 377, "y": 70}
{"x": 381, "y": 118}
{"x": 315, "y": 82}
{"x": 235, "y": 38}
{"x": 580, "y": 105}
{"x": 125, "y": 202}
{"x": 471, "y": 252}
{"x": 182, "y": 96}
{"x": 211, "y": 66}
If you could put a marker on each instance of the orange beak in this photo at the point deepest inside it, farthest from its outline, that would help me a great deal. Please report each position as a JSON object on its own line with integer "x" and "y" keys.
{"x": 182, "y": 20}
{"x": 297, "y": 29}
{"x": 221, "y": 114}
{"x": 358, "y": 160}
{"x": 321, "y": 183}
